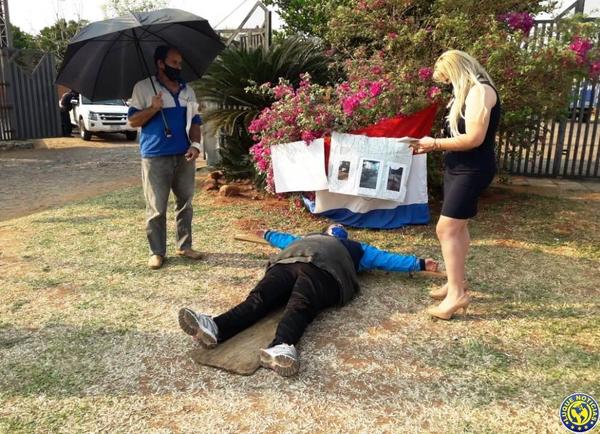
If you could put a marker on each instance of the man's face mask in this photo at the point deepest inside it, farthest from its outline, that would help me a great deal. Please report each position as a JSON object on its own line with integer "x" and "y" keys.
{"x": 173, "y": 74}
{"x": 337, "y": 231}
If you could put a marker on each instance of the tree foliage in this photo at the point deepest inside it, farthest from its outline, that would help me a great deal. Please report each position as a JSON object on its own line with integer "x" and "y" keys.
{"x": 21, "y": 39}
{"x": 55, "y": 38}
{"x": 115, "y": 8}
{"x": 224, "y": 88}
{"x": 308, "y": 17}
{"x": 390, "y": 46}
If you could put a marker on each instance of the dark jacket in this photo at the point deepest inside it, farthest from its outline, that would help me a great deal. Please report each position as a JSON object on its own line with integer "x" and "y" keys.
{"x": 326, "y": 253}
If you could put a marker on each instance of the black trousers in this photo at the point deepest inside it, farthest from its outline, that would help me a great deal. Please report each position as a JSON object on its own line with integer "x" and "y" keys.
{"x": 303, "y": 289}
{"x": 67, "y": 128}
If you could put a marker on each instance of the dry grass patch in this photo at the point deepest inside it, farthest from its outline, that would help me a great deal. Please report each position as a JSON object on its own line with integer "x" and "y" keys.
{"x": 89, "y": 339}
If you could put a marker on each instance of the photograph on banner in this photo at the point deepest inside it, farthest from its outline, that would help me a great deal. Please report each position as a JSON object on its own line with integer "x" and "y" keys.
{"x": 370, "y": 174}
{"x": 369, "y": 166}
{"x": 299, "y": 167}
{"x": 394, "y": 175}
{"x": 343, "y": 170}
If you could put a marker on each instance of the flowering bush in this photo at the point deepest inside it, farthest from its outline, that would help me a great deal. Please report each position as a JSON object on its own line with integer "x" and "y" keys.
{"x": 387, "y": 48}
{"x": 586, "y": 56}
{"x": 522, "y": 21}
{"x": 311, "y": 111}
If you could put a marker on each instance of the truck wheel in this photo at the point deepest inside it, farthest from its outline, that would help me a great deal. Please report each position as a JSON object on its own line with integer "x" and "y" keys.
{"x": 85, "y": 134}
{"x": 131, "y": 135}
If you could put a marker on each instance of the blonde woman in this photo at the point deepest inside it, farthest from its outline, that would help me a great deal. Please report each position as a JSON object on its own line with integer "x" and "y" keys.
{"x": 470, "y": 166}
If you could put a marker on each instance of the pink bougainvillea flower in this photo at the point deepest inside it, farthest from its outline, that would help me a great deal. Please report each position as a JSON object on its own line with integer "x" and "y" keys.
{"x": 522, "y": 21}
{"x": 350, "y": 104}
{"x": 282, "y": 90}
{"x": 580, "y": 46}
{"x": 376, "y": 70}
{"x": 595, "y": 69}
{"x": 433, "y": 92}
{"x": 425, "y": 73}
{"x": 375, "y": 88}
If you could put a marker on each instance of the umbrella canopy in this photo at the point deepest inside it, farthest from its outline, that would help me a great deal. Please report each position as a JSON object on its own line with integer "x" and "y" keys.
{"x": 106, "y": 58}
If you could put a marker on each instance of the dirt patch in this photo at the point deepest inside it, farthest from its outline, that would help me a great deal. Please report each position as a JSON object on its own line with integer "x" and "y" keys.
{"x": 62, "y": 170}
{"x": 250, "y": 225}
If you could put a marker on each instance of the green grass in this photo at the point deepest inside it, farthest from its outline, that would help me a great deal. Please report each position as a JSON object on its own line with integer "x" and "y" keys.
{"x": 89, "y": 339}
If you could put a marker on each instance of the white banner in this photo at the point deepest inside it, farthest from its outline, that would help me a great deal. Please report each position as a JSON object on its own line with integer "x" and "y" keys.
{"x": 299, "y": 167}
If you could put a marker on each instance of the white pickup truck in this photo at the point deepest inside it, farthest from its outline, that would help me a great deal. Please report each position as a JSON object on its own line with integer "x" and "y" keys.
{"x": 109, "y": 116}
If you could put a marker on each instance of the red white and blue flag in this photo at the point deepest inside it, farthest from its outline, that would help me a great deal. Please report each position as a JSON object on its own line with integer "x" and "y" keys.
{"x": 364, "y": 212}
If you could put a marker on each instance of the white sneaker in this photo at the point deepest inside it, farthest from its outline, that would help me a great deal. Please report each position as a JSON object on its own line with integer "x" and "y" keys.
{"x": 201, "y": 327}
{"x": 282, "y": 358}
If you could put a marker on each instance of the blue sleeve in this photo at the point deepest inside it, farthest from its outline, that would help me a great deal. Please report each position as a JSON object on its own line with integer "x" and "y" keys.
{"x": 132, "y": 111}
{"x": 197, "y": 120}
{"x": 279, "y": 239}
{"x": 375, "y": 259}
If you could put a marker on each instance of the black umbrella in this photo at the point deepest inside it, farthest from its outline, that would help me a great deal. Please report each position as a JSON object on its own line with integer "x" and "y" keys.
{"x": 106, "y": 58}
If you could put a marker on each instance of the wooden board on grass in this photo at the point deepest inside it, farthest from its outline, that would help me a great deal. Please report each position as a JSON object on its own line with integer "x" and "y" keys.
{"x": 239, "y": 354}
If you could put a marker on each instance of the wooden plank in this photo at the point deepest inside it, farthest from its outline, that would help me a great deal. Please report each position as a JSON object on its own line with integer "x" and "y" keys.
{"x": 572, "y": 120}
{"x": 593, "y": 143}
{"x": 240, "y": 353}
{"x": 57, "y": 124}
{"x": 547, "y": 170}
{"x": 584, "y": 145}
{"x": 251, "y": 238}
{"x": 582, "y": 97}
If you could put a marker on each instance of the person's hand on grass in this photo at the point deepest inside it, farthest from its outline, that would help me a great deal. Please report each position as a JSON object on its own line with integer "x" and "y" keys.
{"x": 261, "y": 233}
{"x": 431, "y": 265}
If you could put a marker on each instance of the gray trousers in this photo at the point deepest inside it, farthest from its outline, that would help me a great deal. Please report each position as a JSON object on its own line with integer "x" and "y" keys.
{"x": 160, "y": 175}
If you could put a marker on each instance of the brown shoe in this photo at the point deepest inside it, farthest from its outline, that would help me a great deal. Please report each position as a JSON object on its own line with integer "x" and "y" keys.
{"x": 189, "y": 253}
{"x": 155, "y": 262}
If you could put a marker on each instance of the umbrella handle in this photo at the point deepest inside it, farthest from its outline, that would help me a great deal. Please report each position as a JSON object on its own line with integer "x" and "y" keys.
{"x": 168, "y": 132}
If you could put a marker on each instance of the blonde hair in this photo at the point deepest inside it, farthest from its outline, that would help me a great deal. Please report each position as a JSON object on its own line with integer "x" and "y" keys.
{"x": 464, "y": 72}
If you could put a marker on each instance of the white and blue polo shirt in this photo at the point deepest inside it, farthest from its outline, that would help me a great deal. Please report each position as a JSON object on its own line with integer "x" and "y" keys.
{"x": 153, "y": 141}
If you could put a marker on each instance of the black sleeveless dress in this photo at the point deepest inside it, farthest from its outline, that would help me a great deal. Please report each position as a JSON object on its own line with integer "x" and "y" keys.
{"x": 468, "y": 173}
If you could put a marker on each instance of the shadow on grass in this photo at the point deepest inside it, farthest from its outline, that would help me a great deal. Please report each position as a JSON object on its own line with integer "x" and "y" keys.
{"x": 62, "y": 360}
{"x": 75, "y": 220}
{"x": 226, "y": 260}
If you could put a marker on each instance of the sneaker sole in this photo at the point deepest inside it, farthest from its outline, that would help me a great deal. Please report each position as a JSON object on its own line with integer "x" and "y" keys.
{"x": 189, "y": 324}
{"x": 283, "y": 365}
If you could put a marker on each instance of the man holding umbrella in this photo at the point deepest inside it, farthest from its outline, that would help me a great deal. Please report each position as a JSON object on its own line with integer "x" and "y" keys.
{"x": 168, "y": 156}
{"x": 106, "y": 59}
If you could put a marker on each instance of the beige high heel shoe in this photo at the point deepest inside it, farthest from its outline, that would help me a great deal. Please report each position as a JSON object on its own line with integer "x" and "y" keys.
{"x": 440, "y": 294}
{"x": 462, "y": 303}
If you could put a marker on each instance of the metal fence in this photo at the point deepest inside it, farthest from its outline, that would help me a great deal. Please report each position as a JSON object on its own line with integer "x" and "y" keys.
{"x": 28, "y": 101}
{"x": 567, "y": 147}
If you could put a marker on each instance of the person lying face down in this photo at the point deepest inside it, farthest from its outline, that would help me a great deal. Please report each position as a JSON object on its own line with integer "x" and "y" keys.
{"x": 309, "y": 274}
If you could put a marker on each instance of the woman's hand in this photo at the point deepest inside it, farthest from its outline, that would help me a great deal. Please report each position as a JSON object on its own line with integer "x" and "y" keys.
{"x": 424, "y": 145}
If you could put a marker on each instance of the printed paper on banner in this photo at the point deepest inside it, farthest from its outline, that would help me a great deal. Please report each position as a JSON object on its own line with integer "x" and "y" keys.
{"x": 374, "y": 167}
